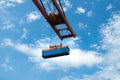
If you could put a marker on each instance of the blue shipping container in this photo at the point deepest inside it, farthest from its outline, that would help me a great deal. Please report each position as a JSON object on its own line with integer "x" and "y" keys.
{"x": 56, "y": 52}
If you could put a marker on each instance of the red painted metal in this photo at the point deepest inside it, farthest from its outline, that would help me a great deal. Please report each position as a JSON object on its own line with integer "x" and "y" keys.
{"x": 55, "y": 19}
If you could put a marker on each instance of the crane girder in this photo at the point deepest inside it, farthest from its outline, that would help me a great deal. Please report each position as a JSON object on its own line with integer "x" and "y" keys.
{"x": 55, "y": 19}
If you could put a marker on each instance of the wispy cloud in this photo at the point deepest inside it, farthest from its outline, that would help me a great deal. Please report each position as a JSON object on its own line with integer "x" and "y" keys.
{"x": 6, "y": 67}
{"x": 76, "y": 59}
{"x": 30, "y": 17}
{"x": 18, "y": 1}
{"x": 29, "y": 50}
{"x": 67, "y": 5}
{"x": 82, "y": 57}
{"x": 110, "y": 32}
{"x": 9, "y": 3}
{"x": 24, "y": 35}
{"x": 33, "y": 16}
{"x": 6, "y": 64}
{"x": 89, "y": 13}
{"x": 72, "y": 41}
{"x": 7, "y": 25}
{"x": 96, "y": 46}
{"x": 46, "y": 66}
{"x": 110, "y": 6}
{"x": 110, "y": 67}
{"x": 70, "y": 78}
{"x": 85, "y": 27}
{"x": 80, "y": 10}
{"x": 82, "y": 26}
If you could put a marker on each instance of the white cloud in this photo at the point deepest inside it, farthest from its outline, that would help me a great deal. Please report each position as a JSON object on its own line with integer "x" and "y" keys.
{"x": 80, "y": 10}
{"x": 111, "y": 33}
{"x": 6, "y": 64}
{"x": 45, "y": 39}
{"x": 70, "y": 78}
{"x": 110, "y": 66}
{"x": 109, "y": 7}
{"x": 89, "y": 33}
{"x": 7, "y": 59}
{"x": 82, "y": 26}
{"x": 30, "y": 17}
{"x": 33, "y": 51}
{"x": 9, "y": 3}
{"x": 29, "y": 50}
{"x": 85, "y": 27}
{"x": 24, "y": 35}
{"x": 76, "y": 38}
{"x": 95, "y": 46}
{"x": 7, "y": 25}
{"x": 46, "y": 66}
{"x": 19, "y": 1}
{"x": 33, "y": 16}
{"x": 21, "y": 21}
{"x": 6, "y": 67}
{"x": 72, "y": 41}
{"x": 89, "y": 13}
{"x": 67, "y": 5}
{"x": 76, "y": 59}
{"x": 4, "y": 4}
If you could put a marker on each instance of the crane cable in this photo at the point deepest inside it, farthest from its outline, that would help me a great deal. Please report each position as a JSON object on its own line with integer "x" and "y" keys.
{"x": 54, "y": 8}
{"x": 48, "y": 1}
{"x": 61, "y": 7}
{"x": 42, "y": 4}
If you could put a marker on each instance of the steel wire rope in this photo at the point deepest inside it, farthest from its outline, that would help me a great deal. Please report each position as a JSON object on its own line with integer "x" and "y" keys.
{"x": 48, "y": 1}
{"x": 54, "y": 9}
{"x": 42, "y": 4}
{"x": 61, "y": 7}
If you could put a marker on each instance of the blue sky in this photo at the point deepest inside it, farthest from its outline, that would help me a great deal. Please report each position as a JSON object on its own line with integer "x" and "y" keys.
{"x": 94, "y": 53}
